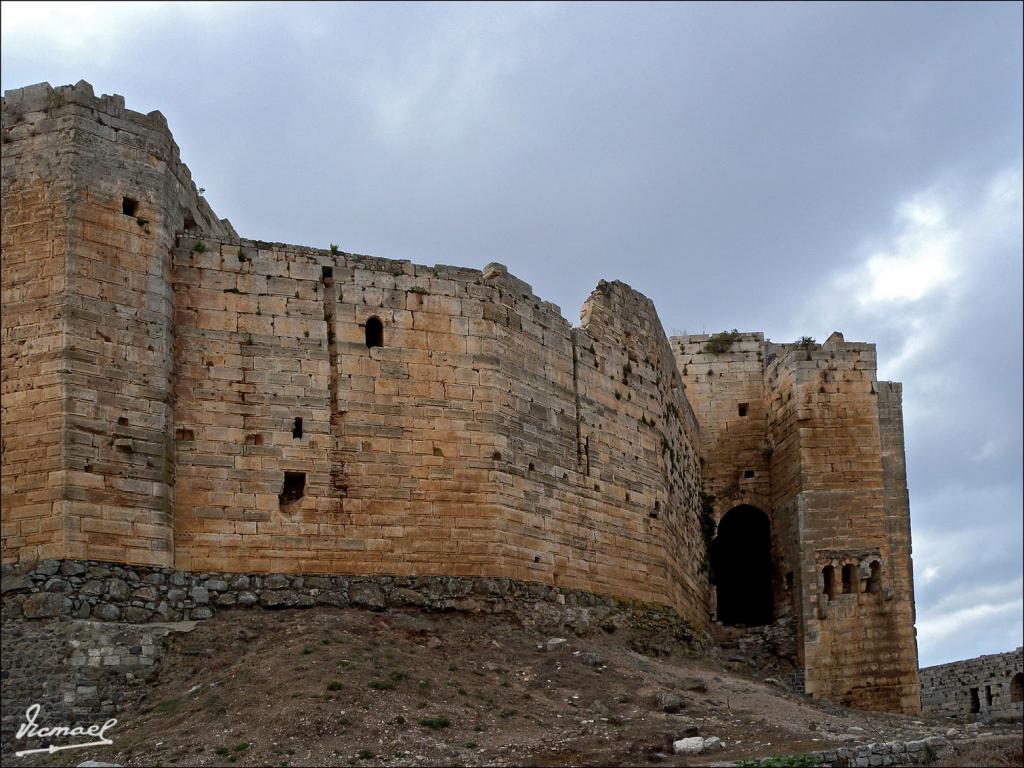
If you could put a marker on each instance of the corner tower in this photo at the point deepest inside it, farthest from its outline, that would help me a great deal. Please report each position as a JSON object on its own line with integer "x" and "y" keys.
{"x": 804, "y": 481}
{"x": 94, "y": 195}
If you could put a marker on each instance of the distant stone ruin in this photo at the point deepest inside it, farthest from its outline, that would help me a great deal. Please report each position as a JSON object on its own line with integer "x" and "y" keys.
{"x": 181, "y": 399}
{"x": 985, "y": 686}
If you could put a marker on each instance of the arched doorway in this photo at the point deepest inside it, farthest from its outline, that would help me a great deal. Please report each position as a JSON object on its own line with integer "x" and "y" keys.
{"x": 741, "y": 567}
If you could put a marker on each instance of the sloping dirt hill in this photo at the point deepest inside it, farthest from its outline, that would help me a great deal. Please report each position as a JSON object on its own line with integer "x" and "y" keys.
{"x": 345, "y": 686}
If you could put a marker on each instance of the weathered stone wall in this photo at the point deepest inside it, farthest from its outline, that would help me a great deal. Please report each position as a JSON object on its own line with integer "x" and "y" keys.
{"x": 805, "y": 433}
{"x": 984, "y": 686}
{"x": 183, "y": 366}
{"x": 485, "y": 437}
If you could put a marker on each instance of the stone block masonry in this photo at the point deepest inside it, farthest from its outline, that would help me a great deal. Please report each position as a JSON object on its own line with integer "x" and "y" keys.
{"x": 983, "y": 687}
{"x": 177, "y": 397}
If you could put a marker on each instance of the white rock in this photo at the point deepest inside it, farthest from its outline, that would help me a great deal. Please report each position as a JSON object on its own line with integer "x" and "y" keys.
{"x": 691, "y": 746}
{"x": 713, "y": 742}
{"x": 556, "y": 643}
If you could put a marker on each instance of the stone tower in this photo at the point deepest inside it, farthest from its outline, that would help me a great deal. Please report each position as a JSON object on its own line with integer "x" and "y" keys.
{"x": 804, "y": 477}
{"x": 93, "y": 196}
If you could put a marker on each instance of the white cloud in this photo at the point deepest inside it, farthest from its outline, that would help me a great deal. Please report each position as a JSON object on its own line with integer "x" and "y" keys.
{"x": 451, "y": 78}
{"x": 918, "y": 261}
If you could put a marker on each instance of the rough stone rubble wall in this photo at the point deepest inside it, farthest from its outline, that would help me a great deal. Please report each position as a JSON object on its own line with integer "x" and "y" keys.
{"x": 980, "y": 686}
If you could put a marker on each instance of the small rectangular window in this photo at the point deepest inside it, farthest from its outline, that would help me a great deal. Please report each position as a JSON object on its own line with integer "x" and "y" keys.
{"x": 292, "y": 489}
{"x": 748, "y": 473}
{"x": 297, "y": 428}
{"x": 129, "y": 206}
{"x": 743, "y": 408}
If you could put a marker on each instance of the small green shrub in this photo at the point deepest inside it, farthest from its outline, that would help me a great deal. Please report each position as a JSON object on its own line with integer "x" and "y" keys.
{"x": 334, "y": 248}
{"x": 418, "y": 289}
{"x": 365, "y": 754}
{"x": 334, "y": 685}
{"x": 381, "y": 685}
{"x": 199, "y": 247}
{"x": 222, "y": 751}
{"x": 781, "y": 761}
{"x": 169, "y": 706}
{"x": 434, "y": 723}
{"x": 805, "y": 342}
{"x": 242, "y": 746}
{"x": 721, "y": 342}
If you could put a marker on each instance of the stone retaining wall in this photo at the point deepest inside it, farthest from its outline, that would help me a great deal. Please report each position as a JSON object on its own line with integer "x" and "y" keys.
{"x": 78, "y": 672}
{"x": 138, "y": 594}
{"x": 917, "y": 752}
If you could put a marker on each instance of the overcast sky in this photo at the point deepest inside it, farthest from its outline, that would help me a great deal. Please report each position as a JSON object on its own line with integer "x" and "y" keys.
{"x": 795, "y": 169}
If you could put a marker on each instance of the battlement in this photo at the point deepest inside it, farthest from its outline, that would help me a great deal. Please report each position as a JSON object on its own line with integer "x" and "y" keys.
{"x": 176, "y": 396}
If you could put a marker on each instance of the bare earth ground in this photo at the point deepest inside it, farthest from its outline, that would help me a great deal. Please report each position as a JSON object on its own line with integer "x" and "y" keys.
{"x": 345, "y": 686}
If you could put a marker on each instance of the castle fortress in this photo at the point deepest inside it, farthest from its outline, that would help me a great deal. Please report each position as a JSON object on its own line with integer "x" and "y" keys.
{"x": 177, "y": 396}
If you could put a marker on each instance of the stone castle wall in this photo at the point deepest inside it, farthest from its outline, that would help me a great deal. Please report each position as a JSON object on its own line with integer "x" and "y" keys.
{"x": 175, "y": 396}
{"x": 484, "y": 437}
{"x": 986, "y": 686}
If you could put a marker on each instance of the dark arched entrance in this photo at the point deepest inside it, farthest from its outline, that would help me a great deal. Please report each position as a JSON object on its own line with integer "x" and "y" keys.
{"x": 741, "y": 567}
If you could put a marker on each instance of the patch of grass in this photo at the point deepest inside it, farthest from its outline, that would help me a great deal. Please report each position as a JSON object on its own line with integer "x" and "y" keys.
{"x": 506, "y": 713}
{"x": 222, "y": 751}
{"x": 169, "y": 706}
{"x": 470, "y": 745}
{"x": 418, "y": 289}
{"x": 334, "y": 685}
{"x": 199, "y": 247}
{"x": 365, "y": 754}
{"x": 435, "y": 723}
{"x": 241, "y": 747}
{"x": 781, "y": 761}
{"x": 398, "y": 677}
{"x": 423, "y": 685}
{"x": 381, "y": 685}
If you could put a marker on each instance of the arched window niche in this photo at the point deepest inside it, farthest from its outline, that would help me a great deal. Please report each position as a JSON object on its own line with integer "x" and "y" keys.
{"x": 374, "y": 332}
